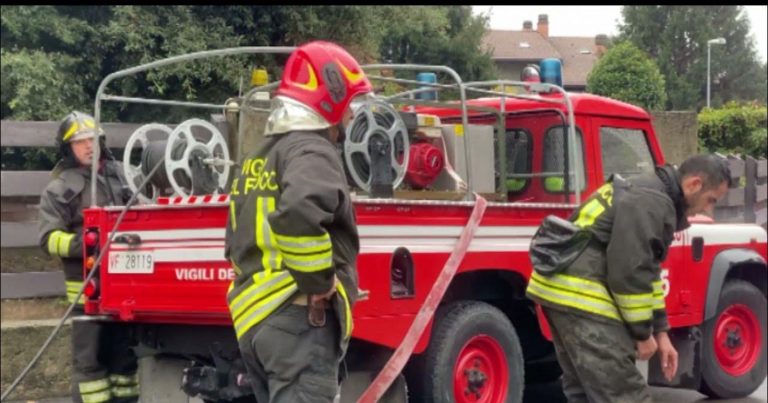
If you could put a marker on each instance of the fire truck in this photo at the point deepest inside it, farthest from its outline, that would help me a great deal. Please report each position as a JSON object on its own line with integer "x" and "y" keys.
{"x": 449, "y": 188}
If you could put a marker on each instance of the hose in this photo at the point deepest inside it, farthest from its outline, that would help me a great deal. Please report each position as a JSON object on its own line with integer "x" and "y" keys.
{"x": 87, "y": 279}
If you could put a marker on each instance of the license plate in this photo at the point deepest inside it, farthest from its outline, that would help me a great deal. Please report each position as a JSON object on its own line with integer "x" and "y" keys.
{"x": 131, "y": 263}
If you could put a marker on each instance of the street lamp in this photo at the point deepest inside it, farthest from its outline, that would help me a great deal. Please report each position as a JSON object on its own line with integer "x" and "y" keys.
{"x": 716, "y": 41}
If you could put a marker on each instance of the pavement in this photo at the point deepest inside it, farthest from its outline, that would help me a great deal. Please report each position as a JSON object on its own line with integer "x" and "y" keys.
{"x": 551, "y": 394}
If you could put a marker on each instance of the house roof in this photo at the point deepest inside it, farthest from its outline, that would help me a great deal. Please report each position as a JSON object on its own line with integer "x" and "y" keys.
{"x": 578, "y": 57}
{"x": 577, "y": 54}
{"x": 518, "y": 45}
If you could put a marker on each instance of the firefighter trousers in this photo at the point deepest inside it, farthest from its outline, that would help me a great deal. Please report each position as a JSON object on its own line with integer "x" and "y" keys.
{"x": 597, "y": 359}
{"x": 289, "y": 361}
{"x": 103, "y": 363}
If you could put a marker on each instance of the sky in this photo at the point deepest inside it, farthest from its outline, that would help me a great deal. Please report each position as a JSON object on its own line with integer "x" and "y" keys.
{"x": 570, "y": 20}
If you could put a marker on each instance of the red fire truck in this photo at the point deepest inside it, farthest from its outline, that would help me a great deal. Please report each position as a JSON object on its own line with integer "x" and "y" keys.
{"x": 531, "y": 152}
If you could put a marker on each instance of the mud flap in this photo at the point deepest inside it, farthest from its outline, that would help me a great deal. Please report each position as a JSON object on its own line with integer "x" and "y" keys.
{"x": 687, "y": 342}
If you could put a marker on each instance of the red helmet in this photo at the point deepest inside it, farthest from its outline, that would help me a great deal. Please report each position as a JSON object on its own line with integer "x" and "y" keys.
{"x": 325, "y": 77}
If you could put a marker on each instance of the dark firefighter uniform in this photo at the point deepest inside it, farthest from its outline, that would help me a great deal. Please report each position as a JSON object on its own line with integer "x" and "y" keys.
{"x": 291, "y": 229}
{"x": 104, "y": 368}
{"x": 611, "y": 295}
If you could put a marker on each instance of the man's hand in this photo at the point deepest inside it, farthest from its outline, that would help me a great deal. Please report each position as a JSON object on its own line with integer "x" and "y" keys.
{"x": 646, "y": 349}
{"x": 327, "y": 295}
{"x": 667, "y": 355}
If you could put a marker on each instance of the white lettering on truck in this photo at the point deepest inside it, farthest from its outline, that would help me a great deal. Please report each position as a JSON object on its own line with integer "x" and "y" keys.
{"x": 204, "y": 274}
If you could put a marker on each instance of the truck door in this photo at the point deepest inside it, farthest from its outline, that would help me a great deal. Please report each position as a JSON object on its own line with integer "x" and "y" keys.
{"x": 625, "y": 148}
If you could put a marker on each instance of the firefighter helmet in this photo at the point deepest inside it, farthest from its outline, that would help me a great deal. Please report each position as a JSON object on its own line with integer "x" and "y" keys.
{"x": 325, "y": 77}
{"x": 77, "y": 126}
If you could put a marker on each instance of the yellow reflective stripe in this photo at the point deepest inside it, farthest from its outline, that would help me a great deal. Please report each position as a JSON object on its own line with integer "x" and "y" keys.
{"x": 232, "y": 215}
{"x": 59, "y": 242}
{"x": 636, "y": 314}
{"x": 126, "y": 380}
{"x": 259, "y": 227}
{"x": 658, "y": 287}
{"x": 589, "y": 213}
{"x": 72, "y": 129}
{"x": 125, "y": 391}
{"x": 573, "y": 300}
{"x": 301, "y": 240}
{"x": 633, "y": 300}
{"x": 606, "y": 191}
{"x": 260, "y": 310}
{"x": 73, "y": 288}
{"x": 576, "y": 284}
{"x": 96, "y": 397}
{"x": 93, "y": 386}
{"x": 257, "y": 291}
{"x": 306, "y": 247}
{"x": 309, "y": 263}
{"x": 347, "y": 310}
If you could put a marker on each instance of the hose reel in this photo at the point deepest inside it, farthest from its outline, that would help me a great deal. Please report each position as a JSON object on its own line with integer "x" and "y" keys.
{"x": 376, "y": 128}
{"x": 191, "y": 166}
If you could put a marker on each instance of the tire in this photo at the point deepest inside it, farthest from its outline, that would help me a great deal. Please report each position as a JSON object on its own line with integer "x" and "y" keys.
{"x": 733, "y": 355}
{"x": 476, "y": 345}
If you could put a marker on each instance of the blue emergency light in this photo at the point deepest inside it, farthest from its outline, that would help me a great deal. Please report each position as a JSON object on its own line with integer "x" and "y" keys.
{"x": 551, "y": 71}
{"x": 430, "y": 78}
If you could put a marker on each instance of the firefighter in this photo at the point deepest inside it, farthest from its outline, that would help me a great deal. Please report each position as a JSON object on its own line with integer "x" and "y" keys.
{"x": 103, "y": 365}
{"x": 606, "y": 306}
{"x": 291, "y": 234}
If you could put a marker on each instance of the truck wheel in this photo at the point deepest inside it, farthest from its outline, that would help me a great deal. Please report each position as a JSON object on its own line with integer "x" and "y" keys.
{"x": 734, "y": 351}
{"x": 474, "y": 356}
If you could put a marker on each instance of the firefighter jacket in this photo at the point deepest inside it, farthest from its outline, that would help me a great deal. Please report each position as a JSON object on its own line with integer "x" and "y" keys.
{"x": 61, "y": 214}
{"x": 291, "y": 228}
{"x": 617, "y": 276}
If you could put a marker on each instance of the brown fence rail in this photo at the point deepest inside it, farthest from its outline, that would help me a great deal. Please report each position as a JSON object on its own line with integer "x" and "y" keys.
{"x": 746, "y": 200}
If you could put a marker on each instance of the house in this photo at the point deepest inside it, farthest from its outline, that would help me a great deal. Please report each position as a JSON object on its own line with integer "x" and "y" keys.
{"x": 513, "y": 50}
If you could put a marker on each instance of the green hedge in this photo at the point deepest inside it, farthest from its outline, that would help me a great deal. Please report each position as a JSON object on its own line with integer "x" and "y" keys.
{"x": 734, "y": 128}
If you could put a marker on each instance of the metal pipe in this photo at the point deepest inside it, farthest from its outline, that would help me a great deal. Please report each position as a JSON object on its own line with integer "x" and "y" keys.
{"x": 159, "y": 63}
{"x": 107, "y": 97}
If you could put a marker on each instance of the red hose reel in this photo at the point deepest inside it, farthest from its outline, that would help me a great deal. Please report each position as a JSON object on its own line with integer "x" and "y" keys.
{"x": 424, "y": 165}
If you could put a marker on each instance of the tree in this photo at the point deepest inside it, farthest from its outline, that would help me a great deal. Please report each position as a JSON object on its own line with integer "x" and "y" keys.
{"x": 627, "y": 74}
{"x": 676, "y": 37}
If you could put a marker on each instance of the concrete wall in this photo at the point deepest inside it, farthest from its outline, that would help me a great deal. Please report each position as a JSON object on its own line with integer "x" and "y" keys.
{"x": 677, "y": 132}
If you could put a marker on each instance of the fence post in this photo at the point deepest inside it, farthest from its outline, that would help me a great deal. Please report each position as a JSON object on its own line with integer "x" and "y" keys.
{"x": 750, "y": 172}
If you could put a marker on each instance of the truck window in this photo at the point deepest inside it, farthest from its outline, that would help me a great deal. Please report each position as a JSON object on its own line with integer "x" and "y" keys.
{"x": 518, "y": 148}
{"x": 625, "y": 151}
{"x": 554, "y": 160}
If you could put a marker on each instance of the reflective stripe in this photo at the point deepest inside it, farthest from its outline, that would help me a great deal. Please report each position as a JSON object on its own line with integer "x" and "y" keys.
{"x": 258, "y": 311}
{"x": 73, "y": 288}
{"x": 347, "y": 310}
{"x": 589, "y": 213}
{"x": 277, "y": 281}
{"x": 232, "y": 215}
{"x": 93, "y": 386}
{"x": 658, "y": 296}
{"x": 300, "y": 240}
{"x": 575, "y": 284}
{"x": 309, "y": 263}
{"x": 636, "y": 314}
{"x": 573, "y": 300}
{"x": 126, "y": 380}
{"x": 96, "y": 397}
{"x": 265, "y": 238}
{"x": 631, "y": 301}
{"x": 59, "y": 243}
{"x": 306, "y": 247}
{"x": 125, "y": 391}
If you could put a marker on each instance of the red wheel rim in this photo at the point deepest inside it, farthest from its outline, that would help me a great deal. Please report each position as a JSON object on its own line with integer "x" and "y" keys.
{"x": 481, "y": 374}
{"x": 738, "y": 340}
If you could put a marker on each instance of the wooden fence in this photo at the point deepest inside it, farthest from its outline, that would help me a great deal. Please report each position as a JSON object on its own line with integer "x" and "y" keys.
{"x": 746, "y": 200}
